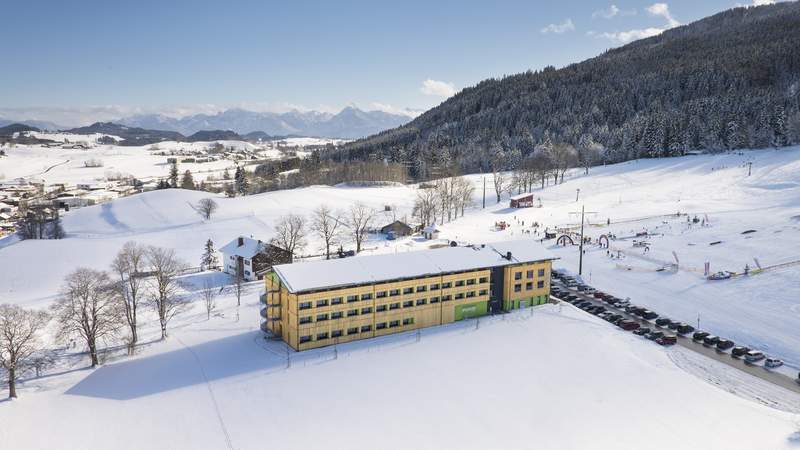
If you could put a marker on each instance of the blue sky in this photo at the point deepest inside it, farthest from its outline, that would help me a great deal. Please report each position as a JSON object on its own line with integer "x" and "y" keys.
{"x": 79, "y": 61}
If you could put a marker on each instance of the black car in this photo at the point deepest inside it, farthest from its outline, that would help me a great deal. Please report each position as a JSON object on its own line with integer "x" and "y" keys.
{"x": 649, "y": 315}
{"x": 674, "y": 325}
{"x": 613, "y": 318}
{"x": 663, "y": 322}
{"x": 655, "y": 335}
{"x": 631, "y": 309}
{"x": 641, "y": 331}
{"x": 739, "y": 352}
{"x": 685, "y": 328}
{"x": 599, "y": 310}
{"x": 699, "y": 335}
{"x": 711, "y": 340}
{"x": 724, "y": 344}
{"x": 571, "y": 298}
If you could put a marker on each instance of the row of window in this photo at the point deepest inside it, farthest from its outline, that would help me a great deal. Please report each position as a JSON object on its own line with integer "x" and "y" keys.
{"x": 528, "y": 274}
{"x": 391, "y": 293}
{"x": 355, "y": 330}
{"x": 390, "y": 307}
{"x": 528, "y": 286}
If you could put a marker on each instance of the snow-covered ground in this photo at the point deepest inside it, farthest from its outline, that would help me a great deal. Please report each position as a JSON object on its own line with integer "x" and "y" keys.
{"x": 556, "y": 379}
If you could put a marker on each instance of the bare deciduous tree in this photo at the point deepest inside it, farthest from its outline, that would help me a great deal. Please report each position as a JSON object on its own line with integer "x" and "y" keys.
{"x": 165, "y": 268}
{"x": 326, "y": 224}
{"x": 206, "y": 207}
{"x": 500, "y": 180}
{"x": 86, "y": 308}
{"x": 463, "y": 192}
{"x": 19, "y": 339}
{"x": 290, "y": 233}
{"x": 425, "y": 205}
{"x": 209, "y": 296}
{"x": 359, "y": 221}
{"x": 127, "y": 267}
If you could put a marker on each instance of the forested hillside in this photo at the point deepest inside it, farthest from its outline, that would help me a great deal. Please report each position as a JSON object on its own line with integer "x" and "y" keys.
{"x": 725, "y": 82}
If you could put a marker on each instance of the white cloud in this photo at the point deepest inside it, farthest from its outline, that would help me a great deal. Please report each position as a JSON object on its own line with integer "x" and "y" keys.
{"x": 609, "y": 13}
{"x": 377, "y": 106}
{"x": 438, "y": 88}
{"x": 662, "y": 10}
{"x": 559, "y": 28}
{"x": 763, "y": 2}
{"x": 655, "y": 10}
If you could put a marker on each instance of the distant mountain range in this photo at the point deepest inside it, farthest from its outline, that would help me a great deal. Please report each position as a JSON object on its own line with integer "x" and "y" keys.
{"x": 40, "y": 124}
{"x": 349, "y": 123}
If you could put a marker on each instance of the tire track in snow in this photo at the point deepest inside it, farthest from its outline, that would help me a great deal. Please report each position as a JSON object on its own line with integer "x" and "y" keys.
{"x": 228, "y": 442}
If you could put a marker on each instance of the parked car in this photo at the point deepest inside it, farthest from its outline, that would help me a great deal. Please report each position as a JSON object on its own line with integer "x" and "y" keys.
{"x": 699, "y": 335}
{"x": 711, "y": 340}
{"x": 739, "y": 352}
{"x": 685, "y": 328}
{"x": 663, "y": 322}
{"x": 649, "y": 315}
{"x": 753, "y": 356}
{"x": 631, "y": 309}
{"x": 654, "y": 335}
{"x": 667, "y": 340}
{"x": 614, "y": 317}
{"x": 641, "y": 331}
{"x": 628, "y": 325}
{"x": 674, "y": 325}
{"x": 724, "y": 344}
{"x": 599, "y": 310}
{"x": 589, "y": 290}
{"x": 773, "y": 363}
{"x": 571, "y": 298}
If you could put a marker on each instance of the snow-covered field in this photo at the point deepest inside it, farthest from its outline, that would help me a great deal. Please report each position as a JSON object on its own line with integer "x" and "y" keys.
{"x": 553, "y": 378}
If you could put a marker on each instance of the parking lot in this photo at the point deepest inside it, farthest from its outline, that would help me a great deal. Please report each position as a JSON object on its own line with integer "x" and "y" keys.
{"x": 572, "y": 295}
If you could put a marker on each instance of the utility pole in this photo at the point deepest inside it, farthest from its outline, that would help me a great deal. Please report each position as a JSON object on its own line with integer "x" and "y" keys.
{"x": 580, "y": 247}
{"x": 577, "y": 195}
{"x": 749, "y": 168}
{"x": 484, "y": 193}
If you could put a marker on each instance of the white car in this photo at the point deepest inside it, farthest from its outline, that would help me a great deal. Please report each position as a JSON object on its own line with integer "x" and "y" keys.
{"x": 773, "y": 362}
{"x": 753, "y": 356}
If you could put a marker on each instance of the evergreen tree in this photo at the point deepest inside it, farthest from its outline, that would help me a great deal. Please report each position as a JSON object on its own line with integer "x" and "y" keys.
{"x": 187, "y": 182}
{"x": 209, "y": 259}
{"x": 173, "y": 175}
{"x": 780, "y": 136}
{"x": 240, "y": 178}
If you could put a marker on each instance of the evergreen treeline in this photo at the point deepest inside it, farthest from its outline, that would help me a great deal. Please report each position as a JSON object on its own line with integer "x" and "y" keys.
{"x": 725, "y": 82}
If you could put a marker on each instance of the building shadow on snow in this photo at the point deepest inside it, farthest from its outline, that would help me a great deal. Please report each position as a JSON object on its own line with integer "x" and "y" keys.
{"x": 184, "y": 367}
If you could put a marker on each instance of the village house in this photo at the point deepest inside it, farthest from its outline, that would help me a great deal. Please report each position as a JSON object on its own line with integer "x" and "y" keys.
{"x": 251, "y": 258}
{"x": 522, "y": 201}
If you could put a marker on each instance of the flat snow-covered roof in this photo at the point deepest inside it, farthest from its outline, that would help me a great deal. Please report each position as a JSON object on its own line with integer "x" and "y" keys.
{"x": 326, "y": 274}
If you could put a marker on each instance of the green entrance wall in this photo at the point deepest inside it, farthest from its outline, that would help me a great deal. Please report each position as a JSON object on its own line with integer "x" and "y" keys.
{"x": 471, "y": 310}
{"x": 508, "y": 305}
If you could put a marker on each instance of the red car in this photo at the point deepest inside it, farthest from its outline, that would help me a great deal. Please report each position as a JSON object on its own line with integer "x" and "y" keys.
{"x": 667, "y": 340}
{"x": 628, "y": 325}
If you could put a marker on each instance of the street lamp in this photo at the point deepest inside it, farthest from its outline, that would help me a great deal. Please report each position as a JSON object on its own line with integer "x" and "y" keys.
{"x": 577, "y": 194}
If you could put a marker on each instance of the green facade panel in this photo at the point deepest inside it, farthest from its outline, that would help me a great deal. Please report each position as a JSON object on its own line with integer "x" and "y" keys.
{"x": 470, "y": 310}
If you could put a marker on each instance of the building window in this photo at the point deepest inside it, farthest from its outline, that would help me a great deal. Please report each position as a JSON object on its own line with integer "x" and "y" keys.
{"x": 528, "y": 286}
{"x": 353, "y": 330}
{"x": 306, "y": 319}
{"x": 394, "y": 292}
{"x": 471, "y": 281}
{"x": 394, "y": 306}
{"x": 447, "y": 285}
{"x": 366, "y": 296}
{"x": 380, "y": 326}
{"x": 541, "y": 272}
{"x": 304, "y": 305}
{"x": 459, "y": 296}
{"x": 380, "y": 308}
{"x": 352, "y": 298}
{"x": 540, "y": 284}
{"x": 529, "y": 274}
{"x": 394, "y": 323}
{"x": 408, "y": 321}
{"x": 434, "y": 299}
{"x": 321, "y": 303}
{"x": 421, "y": 302}
{"x": 304, "y": 339}
{"x": 408, "y": 290}
{"x": 352, "y": 312}
{"x": 366, "y": 328}
{"x": 518, "y": 287}
{"x": 337, "y": 315}
{"x": 366, "y": 310}
{"x": 517, "y": 275}
{"x": 483, "y": 280}
{"x": 322, "y": 336}
{"x": 446, "y": 298}
{"x": 247, "y": 272}
{"x": 483, "y": 292}
{"x": 459, "y": 283}
{"x": 422, "y": 288}
{"x": 336, "y": 300}
{"x": 321, "y": 317}
{"x": 246, "y": 262}
{"x": 336, "y": 333}
{"x": 435, "y": 287}
{"x": 380, "y": 294}
{"x": 408, "y": 304}
{"x": 470, "y": 294}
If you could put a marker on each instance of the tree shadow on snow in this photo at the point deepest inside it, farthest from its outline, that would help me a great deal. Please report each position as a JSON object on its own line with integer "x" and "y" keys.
{"x": 223, "y": 358}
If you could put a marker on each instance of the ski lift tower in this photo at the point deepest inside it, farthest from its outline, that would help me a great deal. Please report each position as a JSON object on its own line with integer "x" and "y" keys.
{"x": 580, "y": 246}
